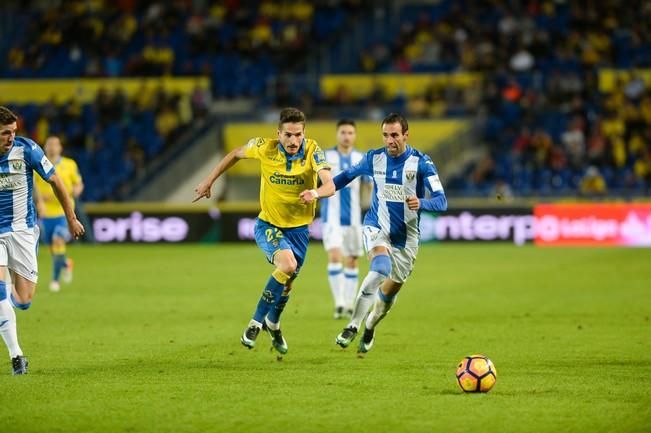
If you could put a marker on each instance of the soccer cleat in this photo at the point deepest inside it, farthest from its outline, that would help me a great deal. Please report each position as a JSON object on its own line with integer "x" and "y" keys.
{"x": 366, "y": 341}
{"x": 277, "y": 339}
{"x": 55, "y": 286}
{"x": 346, "y": 337}
{"x": 19, "y": 365}
{"x": 249, "y": 336}
{"x": 66, "y": 273}
{"x": 339, "y": 313}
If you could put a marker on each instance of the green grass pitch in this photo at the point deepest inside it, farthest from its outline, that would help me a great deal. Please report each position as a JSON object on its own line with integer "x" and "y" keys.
{"x": 146, "y": 339}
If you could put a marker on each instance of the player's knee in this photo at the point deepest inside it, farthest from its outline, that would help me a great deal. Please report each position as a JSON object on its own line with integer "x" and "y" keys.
{"x": 288, "y": 267}
{"x": 282, "y": 276}
{"x": 351, "y": 262}
{"x": 21, "y": 302}
{"x": 334, "y": 256}
{"x": 381, "y": 264}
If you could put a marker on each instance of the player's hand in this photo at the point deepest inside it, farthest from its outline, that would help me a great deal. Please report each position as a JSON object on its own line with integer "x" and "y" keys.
{"x": 308, "y": 196}
{"x": 202, "y": 190}
{"x": 76, "y": 228}
{"x": 413, "y": 203}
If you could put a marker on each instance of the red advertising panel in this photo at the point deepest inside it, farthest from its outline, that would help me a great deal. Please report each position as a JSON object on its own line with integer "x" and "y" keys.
{"x": 593, "y": 224}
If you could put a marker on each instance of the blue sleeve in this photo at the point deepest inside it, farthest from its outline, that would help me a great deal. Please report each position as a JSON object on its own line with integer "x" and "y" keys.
{"x": 38, "y": 161}
{"x": 362, "y": 168}
{"x": 437, "y": 201}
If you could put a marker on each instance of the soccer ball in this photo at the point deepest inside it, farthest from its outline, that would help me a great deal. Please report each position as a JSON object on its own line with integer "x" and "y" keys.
{"x": 476, "y": 373}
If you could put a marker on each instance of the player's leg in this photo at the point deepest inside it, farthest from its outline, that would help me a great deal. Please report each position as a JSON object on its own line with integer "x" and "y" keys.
{"x": 57, "y": 250}
{"x": 351, "y": 280}
{"x": 271, "y": 294}
{"x": 379, "y": 271}
{"x": 336, "y": 280}
{"x": 298, "y": 240}
{"x": 332, "y": 242}
{"x": 403, "y": 263}
{"x": 18, "y": 253}
{"x": 285, "y": 262}
{"x": 62, "y": 268}
{"x": 271, "y": 241}
{"x": 8, "y": 315}
{"x": 378, "y": 246}
{"x": 47, "y": 238}
{"x": 352, "y": 249}
{"x": 385, "y": 300}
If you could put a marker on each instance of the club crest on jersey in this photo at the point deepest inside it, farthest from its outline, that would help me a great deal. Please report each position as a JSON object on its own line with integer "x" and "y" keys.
{"x": 410, "y": 174}
{"x": 319, "y": 157}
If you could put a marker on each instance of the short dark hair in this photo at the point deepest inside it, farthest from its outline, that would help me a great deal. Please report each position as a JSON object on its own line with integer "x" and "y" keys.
{"x": 396, "y": 118}
{"x": 7, "y": 116}
{"x": 291, "y": 115}
{"x": 350, "y": 122}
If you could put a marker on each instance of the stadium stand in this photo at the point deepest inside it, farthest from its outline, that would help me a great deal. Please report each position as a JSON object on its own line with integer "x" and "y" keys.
{"x": 559, "y": 90}
{"x": 238, "y": 45}
{"x": 547, "y": 120}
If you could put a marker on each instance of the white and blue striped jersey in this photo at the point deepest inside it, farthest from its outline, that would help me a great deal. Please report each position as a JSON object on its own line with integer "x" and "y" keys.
{"x": 395, "y": 179}
{"x": 344, "y": 208}
{"x": 16, "y": 184}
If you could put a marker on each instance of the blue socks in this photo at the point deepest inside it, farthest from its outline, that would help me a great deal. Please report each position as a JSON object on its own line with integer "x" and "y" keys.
{"x": 277, "y": 310}
{"x": 58, "y": 263}
{"x": 271, "y": 295}
{"x": 19, "y": 305}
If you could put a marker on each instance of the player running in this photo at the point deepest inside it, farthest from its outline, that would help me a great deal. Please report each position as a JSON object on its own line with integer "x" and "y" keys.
{"x": 19, "y": 158}
{"x": 53, "y": 219}
{"x": 289, "y": 164}
{"x": 341, "y": 216}
{"x": 401, "y": 175}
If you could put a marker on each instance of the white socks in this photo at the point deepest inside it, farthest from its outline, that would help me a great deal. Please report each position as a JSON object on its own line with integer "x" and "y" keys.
{"x": 351, "y": 277}
{"x": 8, "y": 328}
{"x": 382, "y": 307}
{"x": 336, "y": 280}
{"x": 366, "y": 297}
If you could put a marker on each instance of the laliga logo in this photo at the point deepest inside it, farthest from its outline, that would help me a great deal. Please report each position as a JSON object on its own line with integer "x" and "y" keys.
{"x": 135, "y": 228}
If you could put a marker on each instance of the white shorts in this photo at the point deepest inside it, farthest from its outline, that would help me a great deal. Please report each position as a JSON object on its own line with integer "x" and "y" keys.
{"x": 346, "y": 238}
{"x": 402, "y": 259}
{"x": 18, "y": 252}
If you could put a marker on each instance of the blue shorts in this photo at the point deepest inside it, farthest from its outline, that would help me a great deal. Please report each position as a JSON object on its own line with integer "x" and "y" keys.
{"x": 271, "y": 239}
{"x": 54, "y": 227}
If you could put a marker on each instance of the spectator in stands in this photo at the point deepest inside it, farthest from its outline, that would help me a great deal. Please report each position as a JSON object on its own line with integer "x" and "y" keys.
{"x": 593, "y": 184}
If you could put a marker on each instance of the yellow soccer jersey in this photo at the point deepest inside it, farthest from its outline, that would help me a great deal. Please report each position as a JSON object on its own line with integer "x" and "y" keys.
{"x": 284, "y": 177}
{"x": 67, "y": 171}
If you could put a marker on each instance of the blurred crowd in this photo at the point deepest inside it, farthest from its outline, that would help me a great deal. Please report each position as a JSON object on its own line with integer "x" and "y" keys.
{"x": 115, "y": 136}
{"x": 549, "y": 126}
{"x": 240, "y": 44}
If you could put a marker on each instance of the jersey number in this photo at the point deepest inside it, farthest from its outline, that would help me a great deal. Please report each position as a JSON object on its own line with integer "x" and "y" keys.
{"x": 273, "y": 234}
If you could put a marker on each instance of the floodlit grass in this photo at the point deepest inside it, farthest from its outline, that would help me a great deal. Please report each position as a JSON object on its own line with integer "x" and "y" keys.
{"x": 147, "y": 339}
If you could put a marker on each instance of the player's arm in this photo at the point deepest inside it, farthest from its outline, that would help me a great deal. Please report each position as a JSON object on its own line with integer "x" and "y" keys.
{"x": 437, "y": 201}
{"x": 339, "y": 182}
{"x": 327, "y": 188}
{"x": 78, "y": 184}
{"x": 38, "y": 200}
{"x": 75, "y": 227}
{"x": 204, "y": 187}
